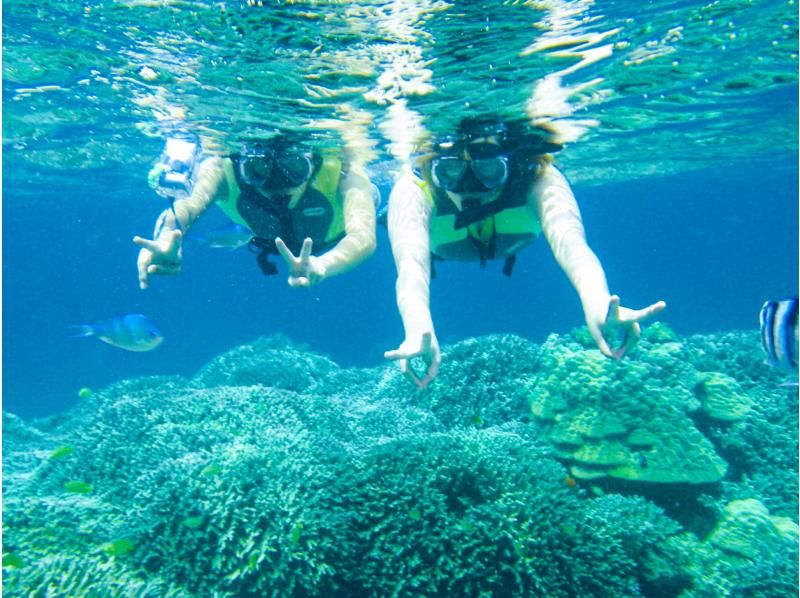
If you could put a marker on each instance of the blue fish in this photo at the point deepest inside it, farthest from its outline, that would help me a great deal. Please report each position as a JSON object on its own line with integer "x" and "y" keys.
{"x": 132, "y": 332}
{"x": 231, "y": 236}
{"x": 779, "y": 332}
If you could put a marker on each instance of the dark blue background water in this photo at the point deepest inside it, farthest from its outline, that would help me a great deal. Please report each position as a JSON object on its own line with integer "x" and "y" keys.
{"x": 713, "y": 244}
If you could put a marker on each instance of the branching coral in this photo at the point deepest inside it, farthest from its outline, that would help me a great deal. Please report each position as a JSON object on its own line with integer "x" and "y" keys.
{"x": 274, "y": 472}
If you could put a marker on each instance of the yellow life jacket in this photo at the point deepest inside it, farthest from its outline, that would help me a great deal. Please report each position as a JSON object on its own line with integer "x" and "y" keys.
{"x": 506, "y": 226}
{"x": 317, "y": 214}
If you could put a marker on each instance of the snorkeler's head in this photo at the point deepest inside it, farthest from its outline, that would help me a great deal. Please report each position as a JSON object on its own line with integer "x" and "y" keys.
{"x": 276, "y": 164}
{"x": 483, "y": 154}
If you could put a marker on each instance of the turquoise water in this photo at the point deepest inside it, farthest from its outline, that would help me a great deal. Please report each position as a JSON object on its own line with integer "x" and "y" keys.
{"x": 679, "y": 121}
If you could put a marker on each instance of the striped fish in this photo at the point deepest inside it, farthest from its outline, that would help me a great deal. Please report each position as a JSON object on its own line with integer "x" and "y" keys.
{"x": 779, "y": 332}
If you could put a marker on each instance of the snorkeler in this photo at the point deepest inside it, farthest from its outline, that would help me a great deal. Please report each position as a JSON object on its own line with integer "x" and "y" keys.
{"x": 293, "y": 199}
{"x": 482, "y": 195}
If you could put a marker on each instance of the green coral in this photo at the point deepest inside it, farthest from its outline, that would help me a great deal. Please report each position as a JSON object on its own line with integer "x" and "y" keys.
{"x": 275, "y": 472}
{"x": 721, "y": 397}
{"x": 482, "y": 382}
{"x": 264, "y": 361}
{"x": 761, "y": 446}
{"x": 628, "y": 420}
{"x": 747, "y": 530}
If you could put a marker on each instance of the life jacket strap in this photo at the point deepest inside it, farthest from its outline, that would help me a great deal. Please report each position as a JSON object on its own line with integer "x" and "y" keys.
{"x": 508, "y": 265}
{"x": 263, "y": 248}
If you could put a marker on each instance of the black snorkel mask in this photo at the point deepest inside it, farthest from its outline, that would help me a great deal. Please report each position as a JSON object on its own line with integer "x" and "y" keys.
{"x": 485, "y": 168}
{"x": 270, "y": 168}
{"x": 484, "y": 154}
{"x": 476, "y": 160}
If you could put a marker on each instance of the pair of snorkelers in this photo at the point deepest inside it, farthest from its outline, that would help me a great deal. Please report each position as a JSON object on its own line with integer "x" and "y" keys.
{"x": 483, "y": 194}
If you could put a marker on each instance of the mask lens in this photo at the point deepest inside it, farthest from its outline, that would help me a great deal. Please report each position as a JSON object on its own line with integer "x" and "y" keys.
{"x": 491, "y": 172}
{"x": 447, "y": 172}
{"x": 255, "y": 170}
{"x": 296, "y": 169}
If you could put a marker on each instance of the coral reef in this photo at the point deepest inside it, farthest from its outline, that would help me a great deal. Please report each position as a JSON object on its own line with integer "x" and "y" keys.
{"x": 628, "y": 420}
{"x": 524, "y": 471}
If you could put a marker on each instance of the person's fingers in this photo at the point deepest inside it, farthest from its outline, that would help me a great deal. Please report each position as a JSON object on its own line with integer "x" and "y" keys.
{"x": 433, "y": 369}
{"x": 619, "y": 352}
{"x": 613, "y": 309}
{"x": 426, "y": 343}
{"x": 651, "y": 310}
{"x": 163, "y": 269}
{"x": 174, "y": 241}
{"x": 146, "y": 244}
{"x": 632, "y": 334}
{"x": 305, "y": 251}
{"x": 286, "y": 254}
{"x": 405, "y": 368}
{"x": 299, "y": 281}
{"x": 412, "y": 375}
{"x": 638, "y": 315}
{"x": 632, "y": 338}
{"x": 396, "y": 354}
{"x": 142, "y": 262}
{"x": 600, "y": 341}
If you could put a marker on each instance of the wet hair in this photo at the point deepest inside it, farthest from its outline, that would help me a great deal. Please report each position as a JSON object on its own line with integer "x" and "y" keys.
{"x": 515, "y": 135}
{"x": 530, "y": 147}
{"x": 279, "y": 142}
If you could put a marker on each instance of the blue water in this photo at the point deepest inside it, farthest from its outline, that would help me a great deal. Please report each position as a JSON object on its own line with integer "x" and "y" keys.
{"x": 713, "y": 244}
{"x": 680, "y": 128}
{"x": 707, "y": 90}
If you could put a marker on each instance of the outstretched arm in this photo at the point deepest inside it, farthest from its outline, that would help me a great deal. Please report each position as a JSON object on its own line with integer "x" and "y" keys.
{"x": 409, "y": 235}
{"x": 162, "y": 254}
{"x": 359, "y": 223}
{"x": 358, "y": 243}
{"x": 563, "y": 228}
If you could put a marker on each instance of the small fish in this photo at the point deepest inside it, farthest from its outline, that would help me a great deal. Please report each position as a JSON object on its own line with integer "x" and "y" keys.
{"x": 12, "y": 560}
{"x": 568, "y": 530}
{"x": 211, "y": 470}
{"x": 570, "y": 481}
{"x": 779, "y": 333}
{"x": 231, "y": 236}
{"x": 132, "y": 332}
{"x": 119, "y": 547}
{"x": 78, "y": 487}
{"x": 252, "y": 562}
{"x": 60, "y": 452}
{"x": 84, "y": 393}
{"x": 192, "y": 522}
{"x": 294, "y": 536}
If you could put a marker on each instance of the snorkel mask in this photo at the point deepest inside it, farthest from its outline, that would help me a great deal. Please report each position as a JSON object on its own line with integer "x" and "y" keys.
{"x": 484, "y": 169}
{"x": 274, "y": 168}
{"x": 476, "y": 160}
{"x": 176, "y": 167}
{"x": 483, "y": 154}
